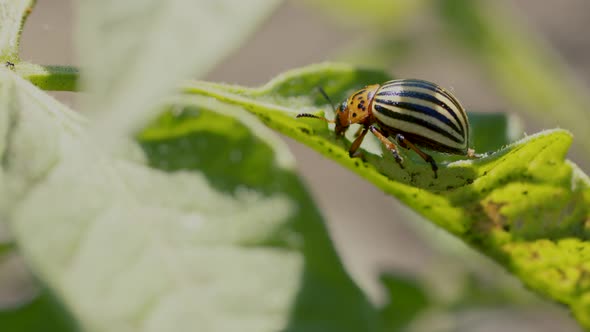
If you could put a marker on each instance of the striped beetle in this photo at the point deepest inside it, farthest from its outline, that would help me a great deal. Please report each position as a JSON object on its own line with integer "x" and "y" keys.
{"x": 414, "y": 112}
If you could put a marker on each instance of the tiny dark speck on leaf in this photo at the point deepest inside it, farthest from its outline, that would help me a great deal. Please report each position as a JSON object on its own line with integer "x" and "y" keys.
{"x": 470, "y": 181}
{"x": 526, "y": 192}
{"x": 485, "y": 173}
{"x": 427, "y": 207}
{"x": 304, "y": 130}
{"x": 356, "y": 163}
{"x": 506, "y": 228}
{"x": 330, "y": 150}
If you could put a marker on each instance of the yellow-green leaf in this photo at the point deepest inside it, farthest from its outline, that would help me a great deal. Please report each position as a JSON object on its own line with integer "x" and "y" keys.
{"x": 524, "y": 205}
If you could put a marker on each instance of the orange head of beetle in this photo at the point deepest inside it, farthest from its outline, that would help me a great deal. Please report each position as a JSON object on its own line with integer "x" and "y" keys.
{"x": 356, "y": 109}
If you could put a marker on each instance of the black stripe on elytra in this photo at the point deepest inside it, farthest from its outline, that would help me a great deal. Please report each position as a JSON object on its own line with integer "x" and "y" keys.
{"x": 424, "y": 109}
{"x": 429, "y": 86}
{"x": 458, "y": 105}
{"x": 408, "y": 118}
{"x": 420, "y": 110}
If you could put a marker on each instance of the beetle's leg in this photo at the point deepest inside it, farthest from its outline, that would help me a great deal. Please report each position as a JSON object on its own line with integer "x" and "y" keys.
{"x": 359, "y": 131}
{"x": 401, "y": 142}
{"x": 357, "y": 142}
{"x": 427, "y": 158}
{"x": 472, "y": 155}
{"x": 388, "y": 144}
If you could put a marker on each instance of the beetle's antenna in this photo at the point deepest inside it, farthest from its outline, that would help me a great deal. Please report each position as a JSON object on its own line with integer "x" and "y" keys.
{"x": 307, "y": 115}
{"x": 327, "y": 98}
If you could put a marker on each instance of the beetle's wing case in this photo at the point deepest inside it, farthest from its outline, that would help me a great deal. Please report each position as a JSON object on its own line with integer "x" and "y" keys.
{"x": 423, "y": 112}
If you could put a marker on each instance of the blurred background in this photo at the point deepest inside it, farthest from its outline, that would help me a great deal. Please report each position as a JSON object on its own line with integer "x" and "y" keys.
{"x": 423, "y": 39}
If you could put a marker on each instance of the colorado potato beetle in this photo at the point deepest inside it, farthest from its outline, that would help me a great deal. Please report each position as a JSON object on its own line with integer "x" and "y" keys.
{"x": 414, "y": 112}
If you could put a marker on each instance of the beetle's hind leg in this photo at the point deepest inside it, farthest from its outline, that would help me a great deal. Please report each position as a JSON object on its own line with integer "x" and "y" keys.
{"x": 409, "y": 145}
{"x": 388, "y": 144}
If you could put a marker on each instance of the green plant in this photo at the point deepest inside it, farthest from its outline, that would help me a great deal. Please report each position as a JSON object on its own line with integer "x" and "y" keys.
{"x": 169, "y": 205}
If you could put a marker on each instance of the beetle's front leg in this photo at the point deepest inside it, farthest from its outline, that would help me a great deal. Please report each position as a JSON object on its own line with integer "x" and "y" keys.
{"x": 352, "y": 152}
{"x": 359, "y": 131}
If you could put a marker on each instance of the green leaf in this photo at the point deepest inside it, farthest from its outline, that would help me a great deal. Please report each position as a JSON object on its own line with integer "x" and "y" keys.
{"x": 157, "y": 236}
{"x": 407, "y": 298}
{"x": 135, "y": 52}
{"x": 491, "y": 131}
{"x": 13, "y": 14}
{"x": 524, "y": 205}
{"x": 42, "y": 313}
{"x": 54, "y": 78}
{"x": 6, "y": 247}
{"x": 448, "y": 289}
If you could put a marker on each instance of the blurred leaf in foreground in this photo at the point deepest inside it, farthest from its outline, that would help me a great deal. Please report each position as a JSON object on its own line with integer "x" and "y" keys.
{"x": 43, "y": 313}
{"x": 177, "y": 245}
{"x": 134, "y": 52}
{"x": 13, "y": 14}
